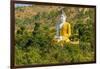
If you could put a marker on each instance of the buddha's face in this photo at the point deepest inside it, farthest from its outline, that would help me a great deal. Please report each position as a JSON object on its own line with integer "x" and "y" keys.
{"x": 63, "y": 18}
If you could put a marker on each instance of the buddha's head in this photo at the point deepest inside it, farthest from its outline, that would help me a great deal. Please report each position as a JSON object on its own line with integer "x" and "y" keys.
{"x": 63, "y": 16}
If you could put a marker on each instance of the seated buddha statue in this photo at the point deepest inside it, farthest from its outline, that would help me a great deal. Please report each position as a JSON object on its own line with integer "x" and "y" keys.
{"x": 63, "y": 29}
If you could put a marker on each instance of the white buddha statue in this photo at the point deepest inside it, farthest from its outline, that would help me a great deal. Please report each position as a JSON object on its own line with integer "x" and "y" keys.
{"x": 63, "y": 29}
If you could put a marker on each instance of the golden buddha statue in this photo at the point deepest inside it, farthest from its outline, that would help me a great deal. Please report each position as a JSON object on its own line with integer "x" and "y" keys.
{"x": 63, "y": 29}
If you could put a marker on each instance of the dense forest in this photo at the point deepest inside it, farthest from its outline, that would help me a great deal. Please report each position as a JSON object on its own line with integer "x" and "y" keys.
{"x": 35, "y": 30}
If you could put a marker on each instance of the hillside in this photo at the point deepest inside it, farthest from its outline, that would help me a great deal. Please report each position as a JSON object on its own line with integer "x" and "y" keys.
{"x": 35, "y": 29}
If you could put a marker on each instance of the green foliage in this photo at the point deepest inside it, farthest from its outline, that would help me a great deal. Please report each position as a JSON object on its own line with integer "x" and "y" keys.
{"x": 34, "y": 38}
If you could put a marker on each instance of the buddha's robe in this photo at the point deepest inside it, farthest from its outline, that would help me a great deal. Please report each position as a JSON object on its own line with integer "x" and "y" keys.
{"x": 65, "y": 31}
